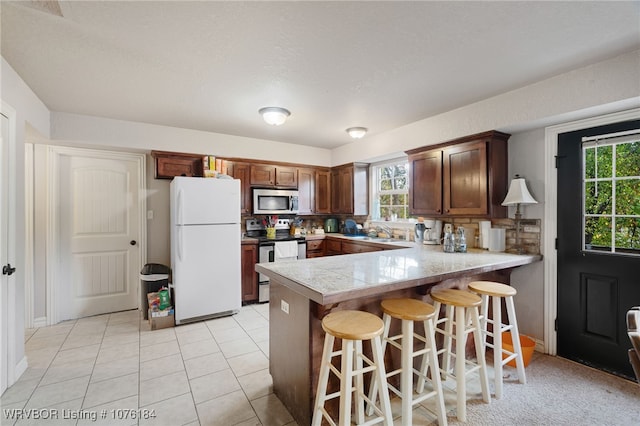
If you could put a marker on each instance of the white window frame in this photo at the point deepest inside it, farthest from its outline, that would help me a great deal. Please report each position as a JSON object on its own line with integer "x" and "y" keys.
{"x": 374, "y": 207}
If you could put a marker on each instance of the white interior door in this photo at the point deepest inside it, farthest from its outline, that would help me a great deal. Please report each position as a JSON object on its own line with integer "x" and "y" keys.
{"x": 100, "y": 233}
{"x": 4, "y": 280}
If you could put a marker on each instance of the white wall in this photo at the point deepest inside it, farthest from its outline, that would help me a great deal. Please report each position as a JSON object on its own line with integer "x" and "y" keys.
{"x": 117, "y": 134}
{"x": 30, "y": 111}
{"x": 615, "y": 82}
{"x": 526, "y": 158}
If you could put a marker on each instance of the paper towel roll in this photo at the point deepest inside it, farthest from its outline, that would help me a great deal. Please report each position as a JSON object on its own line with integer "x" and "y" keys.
{"x": 497, "y": 239}
{"x": 484, "y": 226}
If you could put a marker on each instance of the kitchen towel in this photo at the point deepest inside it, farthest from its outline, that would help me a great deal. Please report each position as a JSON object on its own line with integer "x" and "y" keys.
{"x": 485, "y": 226}
{"x": 285, "y": 250}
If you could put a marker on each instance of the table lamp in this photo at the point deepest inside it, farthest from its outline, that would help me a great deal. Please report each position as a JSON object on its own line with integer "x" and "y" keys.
{"x": 518, "y": 194}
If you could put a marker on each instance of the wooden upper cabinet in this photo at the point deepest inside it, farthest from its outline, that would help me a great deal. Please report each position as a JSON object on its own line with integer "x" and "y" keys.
{"x": 269, "y": 175}
{"x": 349, "y": 189}
{"x": 306, "y": 191}
{"x": 172, "y": 164}
{"x": 464, "y": 177}
{"x": 242, "y": 171}
{"x": 425, "y": 177}
{"x": 322, "y": 191}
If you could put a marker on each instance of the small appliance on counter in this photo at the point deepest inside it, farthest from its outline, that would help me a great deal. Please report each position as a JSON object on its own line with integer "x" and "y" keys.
{"x": 433, "y": 232}
{"x": 330, "y": 225}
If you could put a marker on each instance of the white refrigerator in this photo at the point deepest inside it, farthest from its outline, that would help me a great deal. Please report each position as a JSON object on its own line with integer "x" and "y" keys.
{"x": 205, "y": 247}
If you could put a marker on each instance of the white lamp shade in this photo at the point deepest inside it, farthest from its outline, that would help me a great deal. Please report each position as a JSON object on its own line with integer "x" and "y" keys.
{"x": 274, "y": 115}
{"x": 357, "y": 132}
{"x": 518, "y": 193}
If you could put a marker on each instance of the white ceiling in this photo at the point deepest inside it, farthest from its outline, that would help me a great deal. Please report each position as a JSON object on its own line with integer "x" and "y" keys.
{"x": 210, "y": 65}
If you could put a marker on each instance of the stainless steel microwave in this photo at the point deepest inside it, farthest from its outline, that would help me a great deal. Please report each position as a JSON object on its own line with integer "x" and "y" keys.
{"x": 275, "y": 201}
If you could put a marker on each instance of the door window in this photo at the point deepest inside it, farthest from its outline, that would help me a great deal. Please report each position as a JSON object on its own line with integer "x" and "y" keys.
{"x": 611, "y": 189}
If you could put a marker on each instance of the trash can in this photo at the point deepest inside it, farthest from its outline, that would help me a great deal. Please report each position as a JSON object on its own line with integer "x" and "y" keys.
{"x": 153, "y": 277}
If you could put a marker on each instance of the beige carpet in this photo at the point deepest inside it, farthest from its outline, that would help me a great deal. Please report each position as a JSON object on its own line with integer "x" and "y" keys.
{"x": 558, "y": 392}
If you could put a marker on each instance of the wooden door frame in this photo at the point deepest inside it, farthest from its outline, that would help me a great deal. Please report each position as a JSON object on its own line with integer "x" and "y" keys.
{"x": 551, "y": 215}
{"x": 53, "y": 197}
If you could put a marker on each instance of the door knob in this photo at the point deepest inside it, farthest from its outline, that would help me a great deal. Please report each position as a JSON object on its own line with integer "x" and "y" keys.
{"x": 7, "y": 269}
{"x": 132, "y": 242}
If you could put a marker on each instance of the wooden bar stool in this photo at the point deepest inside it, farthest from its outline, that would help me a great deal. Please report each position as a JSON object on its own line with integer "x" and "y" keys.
{"x": 352, "y": 327}
{"x": 409, "y": 311}
{"x": 497, "y": 292}
{"x": 461, "y": 310}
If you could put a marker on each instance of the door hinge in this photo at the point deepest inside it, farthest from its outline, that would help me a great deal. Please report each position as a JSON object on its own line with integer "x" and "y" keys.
{"x": 556, "y": 244}
{"x": 558, "y": 156}
{"x": 555, "y": 324}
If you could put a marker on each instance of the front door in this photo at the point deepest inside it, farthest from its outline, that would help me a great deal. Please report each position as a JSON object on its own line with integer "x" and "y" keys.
{"x": 598, "y": 243}
{"x": 99, "y": 232}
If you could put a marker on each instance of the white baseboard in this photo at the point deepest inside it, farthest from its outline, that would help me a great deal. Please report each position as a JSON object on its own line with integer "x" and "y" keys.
{"x": 40, "y": 322}
{"x": 20, "y": 368}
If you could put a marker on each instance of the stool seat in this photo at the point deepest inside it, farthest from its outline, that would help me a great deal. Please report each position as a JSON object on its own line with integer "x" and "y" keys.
{"x": 492, "y": 288}
{"x": 454, "y": 297}
{"x": 407, "y": 309}
{"x": 353, "y": 325}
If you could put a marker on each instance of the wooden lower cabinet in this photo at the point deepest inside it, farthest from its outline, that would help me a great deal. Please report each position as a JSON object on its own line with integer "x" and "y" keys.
{"x": 349, "y": 247}
{"x": 248, "y": 259}
{"x": 315, "y": 248}
{"x": 332, "y": 247}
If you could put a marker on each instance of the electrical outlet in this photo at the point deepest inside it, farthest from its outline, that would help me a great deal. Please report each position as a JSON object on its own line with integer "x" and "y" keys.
{"x": 149, "y": 214}
{"x": 284, "y": 306}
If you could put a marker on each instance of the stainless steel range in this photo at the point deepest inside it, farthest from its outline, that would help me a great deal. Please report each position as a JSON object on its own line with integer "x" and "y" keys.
{"x": 276, "y": 249}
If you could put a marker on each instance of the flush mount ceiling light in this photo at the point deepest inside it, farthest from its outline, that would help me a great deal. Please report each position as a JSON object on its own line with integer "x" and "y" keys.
{"x": 357, "y": 132}
{"x": 274, "y": 115}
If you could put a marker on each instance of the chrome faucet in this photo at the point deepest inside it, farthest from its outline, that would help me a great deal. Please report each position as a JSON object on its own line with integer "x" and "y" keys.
{"x": 384, "y": 228}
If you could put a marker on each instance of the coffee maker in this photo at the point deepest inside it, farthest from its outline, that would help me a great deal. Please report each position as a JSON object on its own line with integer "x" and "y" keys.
{"x": 433, "y": 232}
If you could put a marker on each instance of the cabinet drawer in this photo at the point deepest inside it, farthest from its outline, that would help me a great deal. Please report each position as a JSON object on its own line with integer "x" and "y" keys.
{"x": 315, "y": 245}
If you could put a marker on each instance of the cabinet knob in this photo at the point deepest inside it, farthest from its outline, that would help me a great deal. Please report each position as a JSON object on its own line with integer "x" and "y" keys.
{"x": 447, "y": 210}
{"x": 437, "y": 210}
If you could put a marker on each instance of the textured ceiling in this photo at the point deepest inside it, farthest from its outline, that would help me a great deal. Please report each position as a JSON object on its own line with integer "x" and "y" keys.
{"x": 211, "y": 65}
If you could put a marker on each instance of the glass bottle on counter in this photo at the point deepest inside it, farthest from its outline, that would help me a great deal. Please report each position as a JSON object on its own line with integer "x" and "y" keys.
{"x": 460, "y": 241}
{"x": 449, "y": 239}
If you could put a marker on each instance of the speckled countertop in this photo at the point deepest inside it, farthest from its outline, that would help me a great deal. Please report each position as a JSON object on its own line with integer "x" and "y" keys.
{"x": 334, "y": 279}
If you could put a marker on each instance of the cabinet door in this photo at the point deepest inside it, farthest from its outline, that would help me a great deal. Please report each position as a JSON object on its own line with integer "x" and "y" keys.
{"x": 333, "y": 247}
{"x": 242, "y": 171}
{"x": 249, "y": 275}
{"x": 263, "y": 175}
{"x": 465, "y": 179}
{"x": 351, "y": 247}
{"x": 315, "y": 248}
{"x": 175, "y": 164}
{"x": 425, "y": 177}
{"x": 287, "y": 177}
{"x": 322, "y": 191}
{"x": 345, "y": 177}
{"x": 335, "y": 192}
{"x": 306, "y": 191}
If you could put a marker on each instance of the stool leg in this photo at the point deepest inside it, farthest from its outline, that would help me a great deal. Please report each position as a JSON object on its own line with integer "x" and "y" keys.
{"x": 435, "y": 376}
{"x": 346, "y": 382}
{"x": 515, "y": 337}
{"x": 484, "y": 382}
{"x": 373, "y": 387}
{"x": 359, "y": 401}
{"x": 381, "y": 378}
{"x": 448, "y": 332}
{"x": 484, "y": 319}
{"x": 406, "y": 376}
{"x": 497, "y": 344}
{"x": 323, "y": 380}
{"x": 461, "y": 386}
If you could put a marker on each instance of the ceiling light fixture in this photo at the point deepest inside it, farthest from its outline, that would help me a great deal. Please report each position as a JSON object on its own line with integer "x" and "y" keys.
{"x": 274, "y": 115}
{"x": 357, "y": 132}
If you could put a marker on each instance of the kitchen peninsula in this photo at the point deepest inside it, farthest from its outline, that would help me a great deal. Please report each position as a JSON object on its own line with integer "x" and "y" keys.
{"x": 303, "y": 292}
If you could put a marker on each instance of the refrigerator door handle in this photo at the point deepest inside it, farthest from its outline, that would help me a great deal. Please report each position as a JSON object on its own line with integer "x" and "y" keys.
{"x": 179, "y": 207}
{"x": 180, "y": 242}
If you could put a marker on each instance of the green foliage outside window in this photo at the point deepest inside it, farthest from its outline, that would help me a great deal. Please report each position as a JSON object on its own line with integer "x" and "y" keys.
{"x": 612, "y": 197}
{"x": 392, "y": 191}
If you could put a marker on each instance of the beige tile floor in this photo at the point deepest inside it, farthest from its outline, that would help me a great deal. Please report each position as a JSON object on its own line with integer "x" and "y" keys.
{"x": 214, "y": 372}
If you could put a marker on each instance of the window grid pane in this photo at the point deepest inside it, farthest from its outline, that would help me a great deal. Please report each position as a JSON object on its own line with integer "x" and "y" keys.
{"x": 611, "y": 198}
{"x": 391, "y": 191}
